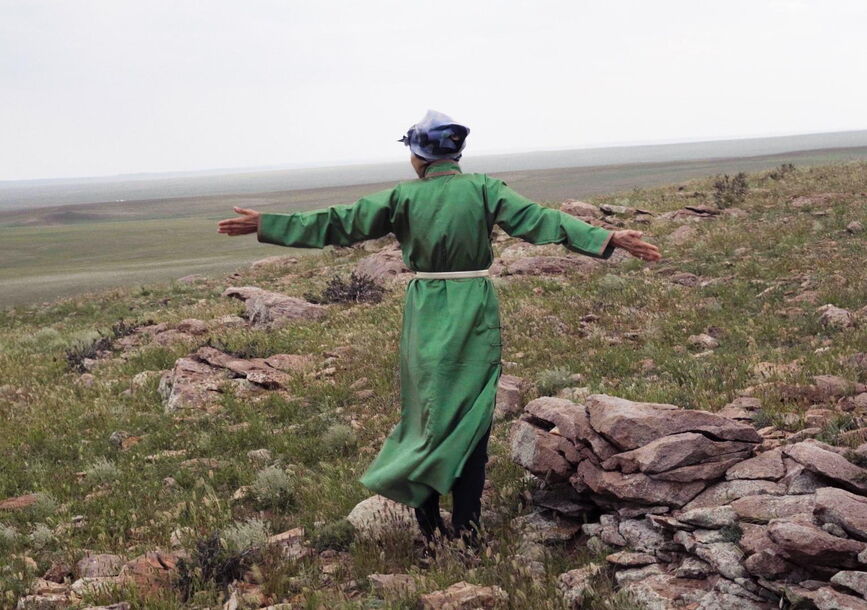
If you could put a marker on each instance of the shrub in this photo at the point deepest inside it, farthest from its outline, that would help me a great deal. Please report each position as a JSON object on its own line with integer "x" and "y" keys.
{"x": 337, "y": 535}
{"x": 340, "y": 439}
{"x": 9, "y": 536}
{"x": 359, "y": 289}
{"x": 211, "y": 562}
{"x": 551, "y": 381}
{"x": 41, "y": 536}
{"x": 101, "y": 471}
{"x": 246, "y": 535}
{"x": 781, "y": 172}
{"x": 85, "y": 349}
{"x": 272, "y": 488}
{"x": 729, "y": 191}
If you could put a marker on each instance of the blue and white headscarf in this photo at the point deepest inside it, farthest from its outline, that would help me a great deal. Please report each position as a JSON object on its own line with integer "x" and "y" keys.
{"x": 436, "y": 137}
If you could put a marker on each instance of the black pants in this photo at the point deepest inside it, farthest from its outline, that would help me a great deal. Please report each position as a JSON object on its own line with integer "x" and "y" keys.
{"x": 466, "y": 496}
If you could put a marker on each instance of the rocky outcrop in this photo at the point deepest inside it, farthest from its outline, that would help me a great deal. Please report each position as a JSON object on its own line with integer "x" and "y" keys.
{"x": 266, "y": 309}
{"x": 465, "y": 596}
{"x": 703, "y": 512}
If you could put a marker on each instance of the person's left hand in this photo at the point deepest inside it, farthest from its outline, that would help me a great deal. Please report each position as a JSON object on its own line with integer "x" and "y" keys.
{"x": 247, "y": 222}
{"x": 631, "y": 241}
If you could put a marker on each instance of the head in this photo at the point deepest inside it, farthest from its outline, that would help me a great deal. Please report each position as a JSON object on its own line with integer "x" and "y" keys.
{"x": 435, "y": 138}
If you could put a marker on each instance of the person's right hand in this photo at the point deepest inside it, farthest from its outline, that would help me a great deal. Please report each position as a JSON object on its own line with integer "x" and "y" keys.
{"x": 247, "y": 222}
{"x": 631, "y": 241}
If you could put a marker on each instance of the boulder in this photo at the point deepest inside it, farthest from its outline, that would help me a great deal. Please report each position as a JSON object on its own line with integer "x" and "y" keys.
{"x": 835, "y": 317}
{"x": 629, "y": 559}
{"x": 630, "y": 425}
{"x": 829, "y": 464}
{"x": 465, "y": 596}
{"x": 842, "y": 508}
{"x": 384, "y": 266}
{"x": 153, "y": 573}
{"x": 191, "y": 384}
{"x": 544, "y": 528}
{"x": 677, "y": 450}
{"x": 637, "y": 487}
{"x": 19, "y": 502}
{"x": 742, "y": 408}
{"x": 809, "y": 545}
{"x": 99, "y": 566}
{"x": 581, "y": 209}
{"x": 571, "y": 421}
{"x": 540, "y": 452}
{"x": 763, "y": 509}
{"x": 768, "y": 465}
{"x": 726, "y": 491}
{"x": 376, "y": 515}
{"x": 726, "y": 558}
{"x": 712, "y": 517}
{"x": 510, "y": 396}
{"x": 392, "y": 585}
{"x": 577, "y": 584}
{"x": 854, "y": 581}
{"x": 266, "y": 309}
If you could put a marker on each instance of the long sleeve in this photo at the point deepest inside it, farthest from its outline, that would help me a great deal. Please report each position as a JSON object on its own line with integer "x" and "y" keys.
{"x": 520, "y": 217}
{"x": 338, "y": 225}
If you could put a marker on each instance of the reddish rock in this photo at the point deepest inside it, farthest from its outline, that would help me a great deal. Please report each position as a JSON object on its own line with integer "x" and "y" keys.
{"x": 152, "y": 573}
{"x": 270, "y": 309}
{"x": 768, "y": 465}
{"x": 571, "y": 421}
{"x": 19, "y": 502}
{"x": 707, "y": 471}
{"x": 630, "y": 425}
{"x": 540, "y": 452}
{"x": 835, "y": 317}
{"x": 767, "y": 564}
{"x": 465, "y": 596}
{"x": 581, "y": 209}
{"x": 637, "y": 487}
{"x": 99, "y": 566}
{"x": 743, "y": 408}
{"x": 842, "y": 508}
{"x": 510, "y": 396}
{"x": 726, "y": 491}
{"x": 829, "y": 464}
{"x": 675, "y": 451}
{"x": 808, "y": 544}
{"x": 392, "y": 585}
{"x": 384, "y": 266}
{"x": 763, "y": 509}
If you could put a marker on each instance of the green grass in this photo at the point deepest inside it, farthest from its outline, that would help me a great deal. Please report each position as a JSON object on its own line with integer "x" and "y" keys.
{"x": 55, "y": 427}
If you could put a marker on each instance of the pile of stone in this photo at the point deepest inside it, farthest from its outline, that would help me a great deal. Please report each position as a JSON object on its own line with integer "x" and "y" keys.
{"x": 198, "y": 380}
{"x": 698, "y": 512}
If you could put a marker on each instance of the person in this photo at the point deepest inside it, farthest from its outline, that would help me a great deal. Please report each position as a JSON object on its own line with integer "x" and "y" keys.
{"x": 450, "y": 344}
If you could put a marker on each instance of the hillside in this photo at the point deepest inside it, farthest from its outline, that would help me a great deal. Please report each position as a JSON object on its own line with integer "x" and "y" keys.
{"x": 119, "y": 448}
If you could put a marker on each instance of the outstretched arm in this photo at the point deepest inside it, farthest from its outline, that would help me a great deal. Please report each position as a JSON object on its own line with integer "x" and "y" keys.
{"x": 338, "y": 225}
{"x": 520, "y": 217}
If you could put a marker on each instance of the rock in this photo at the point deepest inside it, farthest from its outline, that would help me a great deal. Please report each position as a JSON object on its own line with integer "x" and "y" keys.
{"x": 274, "y": 261}
{"x": 768, "y": 564}
{"x": 640, "y": 535}
{"x": 551, "y": 265}
{"x": 464, "y": 596}
{"x": 854, "y": 581}
{"x": 563, "y": 499}
{"x": 42, "y": 602}
{"x": 831, "y": 386}
{"x": 725, "y": 558}
{"x": 510, "y": 396}
{"x": 703, "y": 341}
{"x": 539, "y": 527}
{"x": 630, "y": 425}
{"x": 842, "y": 508}
{"x": 577, "y": 584}
{"x": 768, "y": 465}
{"x": 384, "y": 266}
{"x": 99, "y": 566}
{"x": 666, "y": 592}
{"x": 571, "y": 421}
{"x": 742, "y": 408}
{"x": 150, "y": 573}
{"x": 266, "y": 309}
{"x": 835, "y": 317}
{"x": 628, "y": 559}
{"x": 377, "y": 514}
{"x": 637, "y": 487}
{"x": 624, "y": 577}
{"x": 291, "y": 544}
{"x": 855, "y": 227}
{"x": 809, "y": 545}
{"x": 259, "y": 455}
{"x": 693, "y": 567}
{"x": 763, "y": 509}
{"x": 799, "y": 480}
{"x": 713, "y": 517}
{"x": 540, "y": 452}
{"x": 686, "y": 279}
{"x": 674, "y": 451}
{"x": 581, "y": 209}
{"x": 94, "y": 586}
{"x": 684, "y": 234}
{"x": 726, "y": 491}
{"x": 191, "y": 384}
{"x": 392, "y": 585}
{"x": 19, "y": 502}
{"x": 826, "y": 598}
{"x": 829, "y": 464}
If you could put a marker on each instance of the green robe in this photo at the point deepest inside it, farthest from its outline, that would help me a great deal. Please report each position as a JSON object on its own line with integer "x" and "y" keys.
{"x": 450, "y": 343}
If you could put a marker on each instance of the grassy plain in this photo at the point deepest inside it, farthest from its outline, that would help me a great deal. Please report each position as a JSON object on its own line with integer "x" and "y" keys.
{"x": 50, "y": 252}
{"x": 763, "y": 273}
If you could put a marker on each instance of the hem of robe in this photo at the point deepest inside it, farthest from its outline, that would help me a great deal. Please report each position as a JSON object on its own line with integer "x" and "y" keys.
{"x": 411, "y": 499}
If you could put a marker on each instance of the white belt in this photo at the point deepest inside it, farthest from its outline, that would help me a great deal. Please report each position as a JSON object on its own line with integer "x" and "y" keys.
{"x": 451, "y": 275}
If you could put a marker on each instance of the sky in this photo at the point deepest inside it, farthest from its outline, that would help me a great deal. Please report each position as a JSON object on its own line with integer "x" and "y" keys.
{"x": 104, "y": 87}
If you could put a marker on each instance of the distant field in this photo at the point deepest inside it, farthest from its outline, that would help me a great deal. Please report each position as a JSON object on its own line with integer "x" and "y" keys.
{"x": 57, "y": 251}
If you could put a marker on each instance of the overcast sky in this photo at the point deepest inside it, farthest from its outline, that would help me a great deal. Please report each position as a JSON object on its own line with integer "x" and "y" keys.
{"x": 91, "y": 87}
